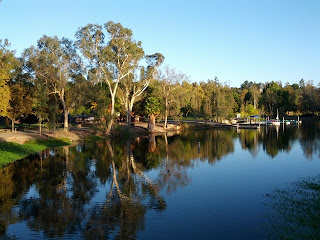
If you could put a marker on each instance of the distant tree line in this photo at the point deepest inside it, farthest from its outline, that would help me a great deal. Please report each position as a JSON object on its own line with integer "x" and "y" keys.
{"x": 105, "y": 73}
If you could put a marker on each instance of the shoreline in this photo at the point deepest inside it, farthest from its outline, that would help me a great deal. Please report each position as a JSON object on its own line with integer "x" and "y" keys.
{"x": 20, "y": 144}
{"x": 17, "y": 145}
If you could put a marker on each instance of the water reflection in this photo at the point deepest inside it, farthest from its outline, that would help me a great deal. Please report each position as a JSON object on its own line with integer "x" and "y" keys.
{"x": 310, "y": 139}
{"x": 105, "y": 189}
{"x": 295, "y": 211}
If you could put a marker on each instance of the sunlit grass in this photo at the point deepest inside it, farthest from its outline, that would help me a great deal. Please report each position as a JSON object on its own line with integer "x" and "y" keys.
{"x": 10, "y": 152}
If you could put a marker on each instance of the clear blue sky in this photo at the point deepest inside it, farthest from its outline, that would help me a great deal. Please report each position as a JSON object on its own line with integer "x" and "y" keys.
{"x": 235, "y": 40}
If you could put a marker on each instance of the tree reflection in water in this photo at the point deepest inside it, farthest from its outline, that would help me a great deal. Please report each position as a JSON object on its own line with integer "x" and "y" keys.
{"x": 64, "y": 186}
{"x": 275, "y": 139}
{"x": 66, "y": 182}
{"x": 131, "y": 195}
{"x": 309, "y": 139}
{"x": 295, "y": 211}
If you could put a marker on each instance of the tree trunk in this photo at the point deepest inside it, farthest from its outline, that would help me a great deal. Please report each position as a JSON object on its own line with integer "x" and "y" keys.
{"x": 151, "y": 122}
{"x": 65, "y": 122}
{"x": 110, "y": 123}
{"x": 7, "y": 122}
{"x": 166, "y": 114}
{"x": 12, "y": 124}
{"x": 65, "y": 113}
{"x": 128, "y": 116}
{"x": 129, "y": 112}
{"x": 40, "y": 126}
{"x": 129, "y": 108}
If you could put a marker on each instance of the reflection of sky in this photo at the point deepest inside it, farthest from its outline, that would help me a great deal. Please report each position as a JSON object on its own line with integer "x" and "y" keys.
{"x": 224, "y": 201}
{"x": 32, "y": 193}
{"x": 21, "y": 231}
{"x": 221, "y": 200}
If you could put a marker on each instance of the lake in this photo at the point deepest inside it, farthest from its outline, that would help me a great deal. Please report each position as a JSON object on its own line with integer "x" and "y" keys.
{"x": 209, "y": 184}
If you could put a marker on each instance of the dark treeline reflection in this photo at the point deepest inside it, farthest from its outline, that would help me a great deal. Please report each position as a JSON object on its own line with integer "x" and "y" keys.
{"x": 104, "y": 189}
{"x": 274, "y": 139}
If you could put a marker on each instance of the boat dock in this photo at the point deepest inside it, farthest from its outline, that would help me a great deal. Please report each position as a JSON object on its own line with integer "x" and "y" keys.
{"x": 246, "y": 126}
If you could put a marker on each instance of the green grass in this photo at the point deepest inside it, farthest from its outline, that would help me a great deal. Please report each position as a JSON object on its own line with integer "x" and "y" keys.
{"x": 10, "y": 152}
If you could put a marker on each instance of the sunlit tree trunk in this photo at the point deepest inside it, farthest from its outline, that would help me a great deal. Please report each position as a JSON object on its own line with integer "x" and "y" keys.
{"x": 40, "y": 126}
{"x": 65, "y": 110}
{"x": 128, "y": 114}
{"x": 151, "y": 122}
{"x": 110, "y": 122}
{"x": 166, "y": 112}
{"x": 12, "y": 124}
{"x": 129, "y": 111}
{"x": 65, "y": 121}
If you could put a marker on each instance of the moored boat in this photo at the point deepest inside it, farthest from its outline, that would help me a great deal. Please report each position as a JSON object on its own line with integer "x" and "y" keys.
{"x": 273, "y": 122}
{"x": 287, "y": 122}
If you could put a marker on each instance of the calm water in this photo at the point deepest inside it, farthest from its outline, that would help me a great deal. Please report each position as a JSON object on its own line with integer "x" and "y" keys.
{"x": 217, "y": 184}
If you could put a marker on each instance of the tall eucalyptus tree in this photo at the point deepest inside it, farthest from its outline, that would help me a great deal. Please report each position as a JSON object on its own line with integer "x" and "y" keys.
{"x": 133, "y": 86}
{"x": 53, "y": 63}
{"x": 114, "y": 59}
{"x": 169, "y": 80}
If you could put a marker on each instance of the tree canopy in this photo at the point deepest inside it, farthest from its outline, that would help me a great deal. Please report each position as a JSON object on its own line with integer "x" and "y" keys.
{"x": 105, "y": 73}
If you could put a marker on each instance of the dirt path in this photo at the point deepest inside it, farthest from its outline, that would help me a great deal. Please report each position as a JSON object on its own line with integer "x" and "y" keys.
{"x": 75, "y": 134}
{"x": 21, "y": 137}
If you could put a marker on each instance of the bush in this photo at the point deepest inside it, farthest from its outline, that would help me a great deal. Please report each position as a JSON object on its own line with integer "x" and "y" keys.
{"x": 121, "y": 132}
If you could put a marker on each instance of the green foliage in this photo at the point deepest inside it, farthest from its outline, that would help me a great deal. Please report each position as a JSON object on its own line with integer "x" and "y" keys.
{"x": 114, "y": 62}
{"x": 152, "y": 106}
{"x": 53, "y": 63}
{"x": 10, "y": 152}
{"x": 40, "y": 101}
{"x": 186, "y": 109}
{"x": 53, "y": 112}
{"x": 249, "y": 110}
{"x": 8, "y": 63}
{"x": 20, "y": 103}
{"x": 223, "y": 103}
{"x": 4, "y": 97}
{"x": 270, "y": 97}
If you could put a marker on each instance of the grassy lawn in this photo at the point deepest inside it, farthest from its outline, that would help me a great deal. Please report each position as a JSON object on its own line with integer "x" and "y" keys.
{"x": 10, "y": 152}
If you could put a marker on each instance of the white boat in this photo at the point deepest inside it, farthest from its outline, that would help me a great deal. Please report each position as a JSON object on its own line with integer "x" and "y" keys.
{"x": 274, "y": 121}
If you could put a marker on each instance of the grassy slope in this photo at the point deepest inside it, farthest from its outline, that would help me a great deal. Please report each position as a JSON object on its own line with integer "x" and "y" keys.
{"x": 10, "y": 152}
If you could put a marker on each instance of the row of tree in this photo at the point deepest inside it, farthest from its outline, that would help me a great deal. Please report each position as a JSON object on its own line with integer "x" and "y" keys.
{"x": 70, "y": 75}
{"x": 105, "y": 72}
